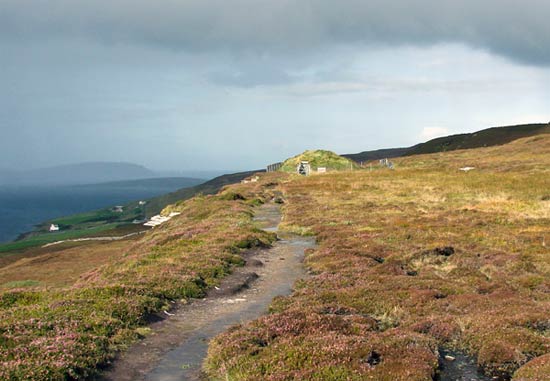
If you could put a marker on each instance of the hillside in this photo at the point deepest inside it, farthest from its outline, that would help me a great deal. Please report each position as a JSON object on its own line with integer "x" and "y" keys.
{"x": 65, "y": 312}
{"x": 410, "y": 264}
{"x": 378, "y": 154}
{"x": 484, "y": 138}
{"x": 155, "y": 205}
{"x": 108, "y": 222}
{"x": 318, "y": 158}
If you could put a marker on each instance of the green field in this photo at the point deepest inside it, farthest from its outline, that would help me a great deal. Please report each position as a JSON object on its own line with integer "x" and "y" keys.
{"x": 45, "y": 238}
{"x": 109, "y": 222}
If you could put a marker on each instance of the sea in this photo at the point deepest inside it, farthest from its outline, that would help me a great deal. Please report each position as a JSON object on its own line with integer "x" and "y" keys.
{"x": 23, "y": 207}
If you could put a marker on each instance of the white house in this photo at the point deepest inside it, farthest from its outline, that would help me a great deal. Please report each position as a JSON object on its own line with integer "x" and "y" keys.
{"x": 54, "y": 228}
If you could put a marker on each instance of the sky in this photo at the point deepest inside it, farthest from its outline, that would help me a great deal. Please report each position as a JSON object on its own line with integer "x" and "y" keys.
{"x": 215, "y": 84}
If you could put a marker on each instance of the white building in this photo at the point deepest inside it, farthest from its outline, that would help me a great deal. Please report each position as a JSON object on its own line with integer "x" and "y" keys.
{"x": 54, "y": 228}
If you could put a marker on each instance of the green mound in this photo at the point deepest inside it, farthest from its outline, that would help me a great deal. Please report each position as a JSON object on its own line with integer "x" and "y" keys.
{"x": 319, "y": 158}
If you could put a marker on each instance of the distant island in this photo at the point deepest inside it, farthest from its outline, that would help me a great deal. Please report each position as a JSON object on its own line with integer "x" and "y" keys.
{"x": 94, "y": 173}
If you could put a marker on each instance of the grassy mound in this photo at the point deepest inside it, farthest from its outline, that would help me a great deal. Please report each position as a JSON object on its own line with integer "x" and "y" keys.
{"x": 319, "y": 158}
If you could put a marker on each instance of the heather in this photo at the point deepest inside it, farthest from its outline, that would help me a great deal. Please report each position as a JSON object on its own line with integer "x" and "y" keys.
{"x": 411, "y": 260}
{"x": 70, "y": 331}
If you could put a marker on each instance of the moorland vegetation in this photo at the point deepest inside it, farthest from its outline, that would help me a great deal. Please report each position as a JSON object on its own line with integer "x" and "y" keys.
{"x": 411, "y": 260}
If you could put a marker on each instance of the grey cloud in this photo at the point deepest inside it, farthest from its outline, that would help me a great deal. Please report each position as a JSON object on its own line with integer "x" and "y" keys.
{"x": 388, "y": 86}
{"x": 516, "y": 29}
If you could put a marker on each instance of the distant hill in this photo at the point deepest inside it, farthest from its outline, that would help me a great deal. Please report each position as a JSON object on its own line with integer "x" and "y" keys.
{"x": 157, "y": 182}
{"x": 378, "y": 154}
{"x": 83, "y": 173}
{"x": 197, "y": 174}
{"x": 484, "y": 138}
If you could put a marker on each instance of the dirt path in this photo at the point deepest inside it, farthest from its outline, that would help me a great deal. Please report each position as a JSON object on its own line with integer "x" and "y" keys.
{"x": 115, "y": 238}
{"x": 177, "y": 346}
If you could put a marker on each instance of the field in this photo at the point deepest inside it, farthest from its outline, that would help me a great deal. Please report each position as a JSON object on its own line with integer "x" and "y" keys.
{"x": 41, "y": 239}
{"x": 409, "y": 261}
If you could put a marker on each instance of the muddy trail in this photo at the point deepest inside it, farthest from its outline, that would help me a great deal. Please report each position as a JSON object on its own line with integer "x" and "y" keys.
{"x": 177, "y": 345}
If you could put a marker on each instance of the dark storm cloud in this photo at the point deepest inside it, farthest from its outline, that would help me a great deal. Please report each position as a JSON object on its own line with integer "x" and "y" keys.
{"x": 516, "y": 29}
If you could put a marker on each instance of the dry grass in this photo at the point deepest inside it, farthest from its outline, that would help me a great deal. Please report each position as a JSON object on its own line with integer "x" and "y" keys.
{"x": 387, "y": 282}
{"x": 66, "y": 312}
{"x": 61, "y": 267}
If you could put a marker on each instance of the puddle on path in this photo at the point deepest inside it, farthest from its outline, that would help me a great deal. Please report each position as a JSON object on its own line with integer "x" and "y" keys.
{"x": 462, "y": 368}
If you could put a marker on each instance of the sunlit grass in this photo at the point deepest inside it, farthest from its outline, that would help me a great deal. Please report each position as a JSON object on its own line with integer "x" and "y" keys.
{"x": 62, "y": 322}
{"x": 381, "y": 280}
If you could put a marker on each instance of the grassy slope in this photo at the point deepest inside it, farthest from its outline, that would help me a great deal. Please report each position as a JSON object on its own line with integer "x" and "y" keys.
{"x": 58, "y": 266}
{"x": 42, "y": 239}
{"x": 106, "y": 222}
{"x": 155, "y": 205}
{"x": 382, "y": 287}
{"x": 58, "y": 332}
{"x": 484, "y": 138}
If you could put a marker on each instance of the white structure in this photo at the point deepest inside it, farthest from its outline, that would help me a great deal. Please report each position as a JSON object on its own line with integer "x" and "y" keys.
{"x": 322, "y": 170}
{"x": 251, "y": 180}
{"x": 158, "y": 219}
{"x": 466, "y": 169}
{"x": 118, "y": 209}
{"x": 303, "y": 168}
{"x": 54, "y": 228}
{"x": 142, "y": 202}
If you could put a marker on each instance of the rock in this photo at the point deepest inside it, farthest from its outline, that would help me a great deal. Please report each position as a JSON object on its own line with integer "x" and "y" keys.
{"x": 445, "y": 251}
{"x": 255, "y": 262}
{"x": 449, "y": 358}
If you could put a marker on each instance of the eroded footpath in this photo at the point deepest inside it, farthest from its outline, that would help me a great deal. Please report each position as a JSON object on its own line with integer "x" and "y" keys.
{"x": 177, "y": 345}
